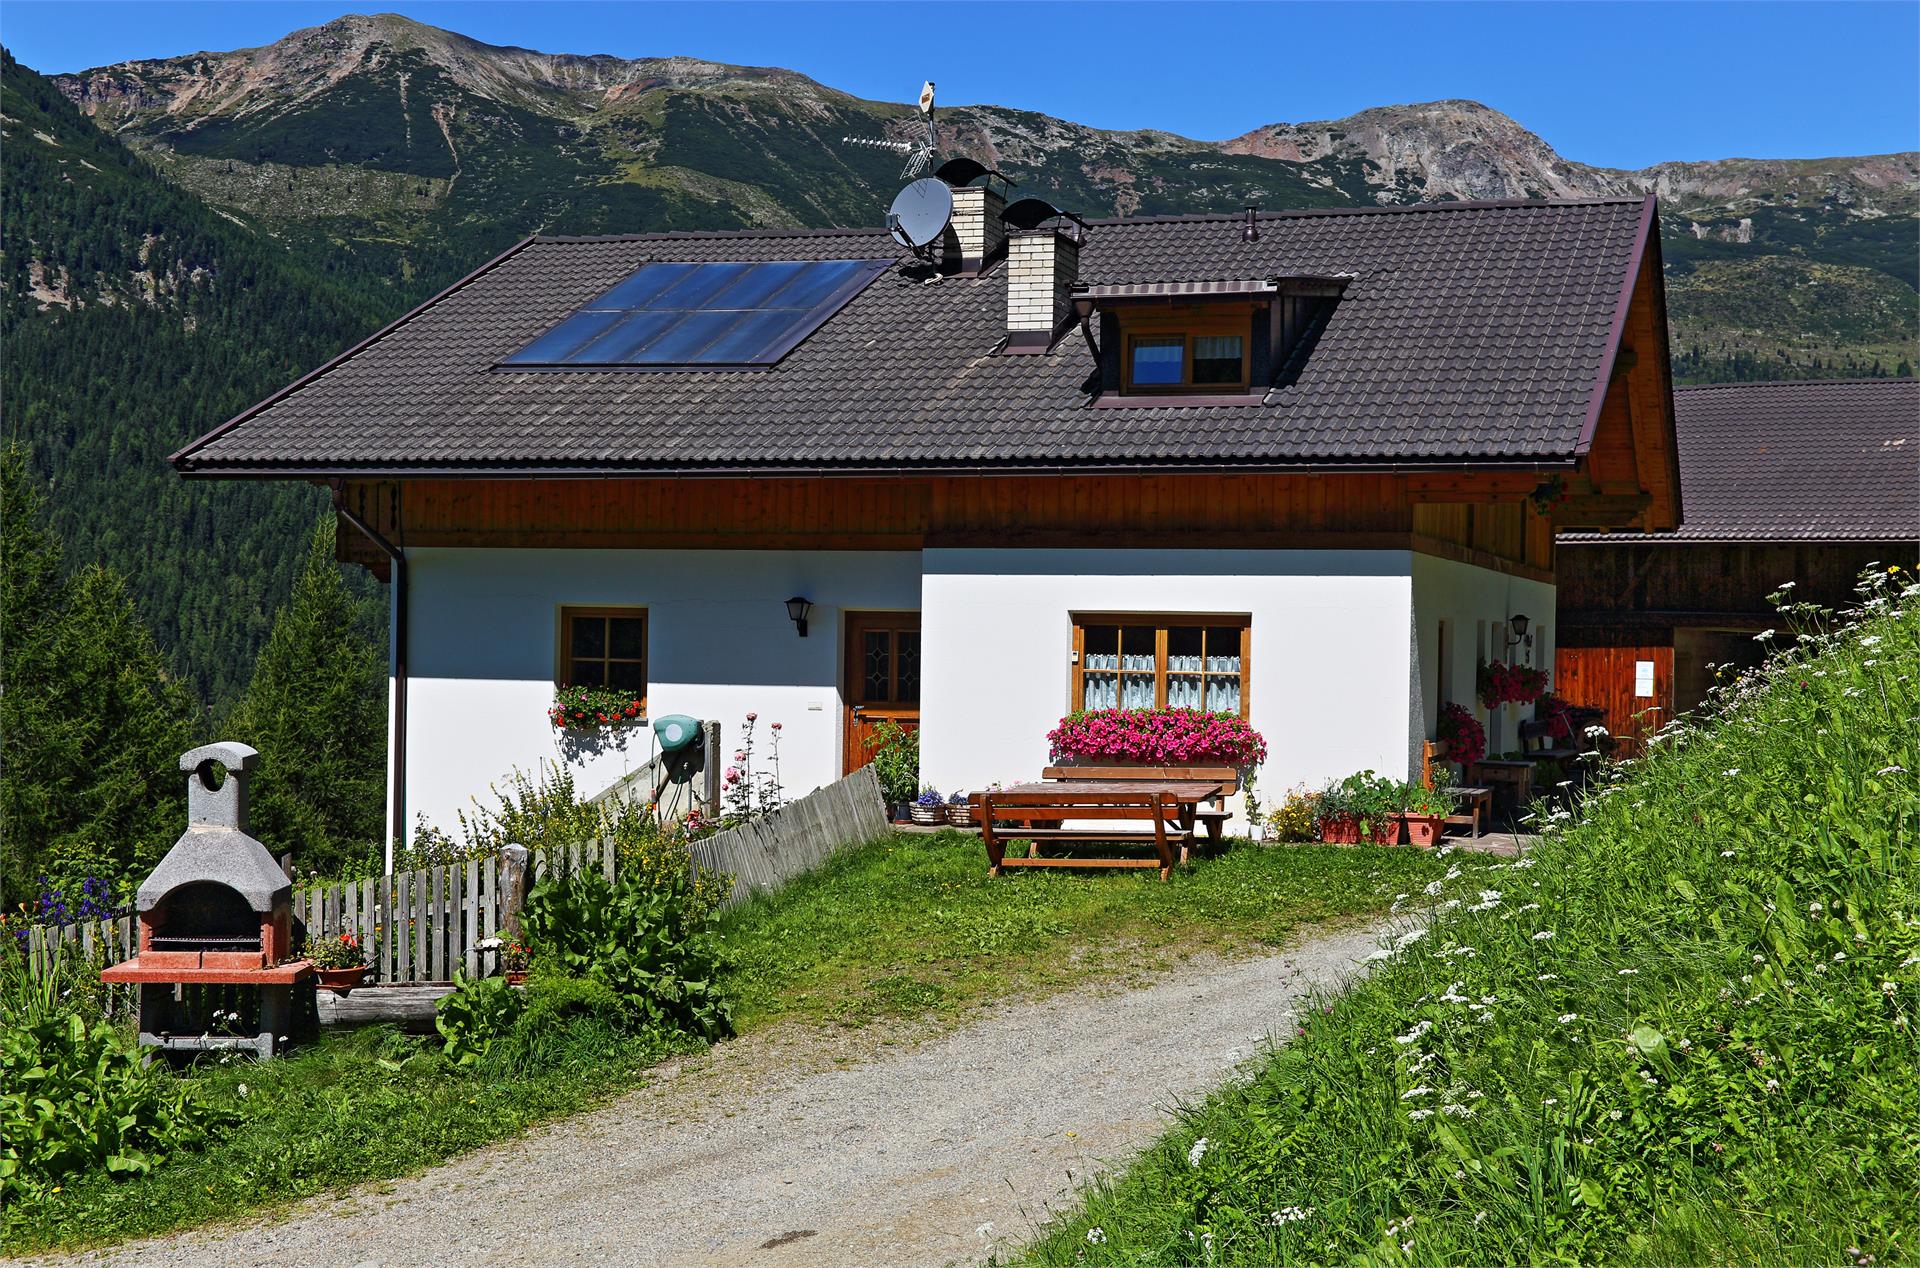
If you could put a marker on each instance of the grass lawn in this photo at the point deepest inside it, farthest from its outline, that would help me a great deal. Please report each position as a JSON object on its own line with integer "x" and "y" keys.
{"x": 907, "y": 928}
{"x": 1681, "y": 1031}
{"x": 913, "y": 924}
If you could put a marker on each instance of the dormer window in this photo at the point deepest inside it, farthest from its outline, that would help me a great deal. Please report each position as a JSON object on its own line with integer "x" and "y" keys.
{"x": 1202, "y": 343}
{"x": 1188, "y": 361}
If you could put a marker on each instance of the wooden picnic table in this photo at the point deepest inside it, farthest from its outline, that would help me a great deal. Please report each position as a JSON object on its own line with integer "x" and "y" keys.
{"x": 1164, "y": 808}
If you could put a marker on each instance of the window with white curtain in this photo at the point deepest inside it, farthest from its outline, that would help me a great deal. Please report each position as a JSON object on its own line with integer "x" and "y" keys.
{"x": 1154, "y": 662}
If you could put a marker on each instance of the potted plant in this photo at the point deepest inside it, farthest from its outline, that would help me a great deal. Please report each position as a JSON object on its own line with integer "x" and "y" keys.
{"x": 1424, "y": 811}
{"x": 928, "y": 808}
{"x": 1335, "y": 811}
{"x": 959, "y": 810}
{"x": 1374, "y": 800}
{"x": 514, "y": 960}
{"x": 339, "y": 964}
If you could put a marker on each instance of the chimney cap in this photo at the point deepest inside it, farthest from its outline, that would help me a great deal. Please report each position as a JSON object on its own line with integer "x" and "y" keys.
{"x": 230, "y": 754}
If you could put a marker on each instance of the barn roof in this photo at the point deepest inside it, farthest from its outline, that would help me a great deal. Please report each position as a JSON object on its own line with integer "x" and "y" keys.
{"x": 1468, "y": 333}
{"x": 1803, "y": 460}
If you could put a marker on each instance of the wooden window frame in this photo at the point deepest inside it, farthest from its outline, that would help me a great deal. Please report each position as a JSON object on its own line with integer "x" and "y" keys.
{"x": 563, "y": 659}
{"x": 1189, "y": 322}
{"x": 1160, "y": 623}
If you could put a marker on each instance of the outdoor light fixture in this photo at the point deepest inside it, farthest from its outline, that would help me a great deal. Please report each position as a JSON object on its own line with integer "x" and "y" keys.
{"x": 797, "y": 609}
{"x": 1518, "y": 623}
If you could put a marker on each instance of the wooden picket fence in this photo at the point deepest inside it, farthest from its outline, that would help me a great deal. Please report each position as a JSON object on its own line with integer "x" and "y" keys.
{"x": 417, "y": 927}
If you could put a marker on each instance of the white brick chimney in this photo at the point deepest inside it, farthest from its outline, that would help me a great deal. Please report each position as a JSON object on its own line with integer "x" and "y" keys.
{"x": 1042, "y": 264}
{"x": 975, "y": 235}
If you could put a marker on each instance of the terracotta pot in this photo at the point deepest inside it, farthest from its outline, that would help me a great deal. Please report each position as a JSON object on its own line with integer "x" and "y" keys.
{"x": 340, "y": 981}
{"x": 1340, "y": 832}
{"x": 1424, "y": 830}
{"x": 516, "y": 977}
{"x": 1384, "y": 830}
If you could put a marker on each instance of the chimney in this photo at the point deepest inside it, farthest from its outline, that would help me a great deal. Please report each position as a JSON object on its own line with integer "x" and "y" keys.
{"x": 1042, "y": 264}
{"x": 975, "y": 235}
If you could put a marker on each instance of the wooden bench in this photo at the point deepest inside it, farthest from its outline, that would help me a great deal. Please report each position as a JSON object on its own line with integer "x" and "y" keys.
{"x": 1157, "y": 811}
{"x": 1476, "y": 801}
{"x": 1214, "y": 817}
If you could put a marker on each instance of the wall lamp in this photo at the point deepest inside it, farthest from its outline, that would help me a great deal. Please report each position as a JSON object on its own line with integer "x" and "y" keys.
{"x": 1518, "y": 623}
{"x": 797, "y": 609}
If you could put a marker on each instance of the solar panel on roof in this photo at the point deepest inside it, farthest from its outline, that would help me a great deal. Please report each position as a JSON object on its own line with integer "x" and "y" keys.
{"x": 700, "y": 316}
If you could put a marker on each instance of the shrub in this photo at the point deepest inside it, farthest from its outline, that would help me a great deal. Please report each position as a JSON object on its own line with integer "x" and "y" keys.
{"x": 1158, "y": 737}
{"x": 1296, "y": 818}
{"x": 896, "y": 761}
{"x": 648, "y": 940}
{"x": 76, "y": 1095}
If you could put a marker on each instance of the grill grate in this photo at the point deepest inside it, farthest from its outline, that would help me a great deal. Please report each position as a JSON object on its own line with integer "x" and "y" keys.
{"x": 200, "y": 941}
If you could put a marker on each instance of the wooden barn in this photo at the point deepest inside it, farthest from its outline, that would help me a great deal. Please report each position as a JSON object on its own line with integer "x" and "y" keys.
{"x": 1807, "y": 482}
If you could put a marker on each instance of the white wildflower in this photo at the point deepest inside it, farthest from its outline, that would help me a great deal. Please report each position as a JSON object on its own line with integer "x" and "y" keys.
{"x": 1548, "y": 977}
{"x": 1615, "y": 1115}
{"x": 1433, "y": 889}
{"x": 1419, "y": 1029}
{"x": 1628, "y": 973}
{"x": 1097, "y": 1235}
{"x": 1417, "y": 1115}
{"x": 1199, "y": 1151}
{"x": 1545, "y": 935}
{"x": 1412, "y": 1092}
{"x": 1568, "y": 1017}
{"x": 1839, "y": 956}
{"x": 1891, "y": 770}
{"x": 1730, "y": 772}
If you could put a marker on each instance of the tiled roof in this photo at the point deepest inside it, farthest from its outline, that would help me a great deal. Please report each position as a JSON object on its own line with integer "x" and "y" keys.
{"x": 1470, "y": 332}
{"x": 1807, "y": 460}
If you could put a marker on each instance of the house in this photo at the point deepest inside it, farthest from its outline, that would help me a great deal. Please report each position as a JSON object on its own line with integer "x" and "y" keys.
{"x": 1805, "y": 482}
{"x": 1302, "y": 466}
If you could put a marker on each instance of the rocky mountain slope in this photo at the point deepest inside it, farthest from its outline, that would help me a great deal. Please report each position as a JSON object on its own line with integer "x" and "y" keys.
{"x": 418, "y": 151}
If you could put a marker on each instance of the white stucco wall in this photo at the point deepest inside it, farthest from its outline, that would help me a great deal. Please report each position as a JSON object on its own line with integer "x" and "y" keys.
{"x": 1464, "y": 596}
{"x": 1331, "y": 674}
{"x": 719, "y": 645}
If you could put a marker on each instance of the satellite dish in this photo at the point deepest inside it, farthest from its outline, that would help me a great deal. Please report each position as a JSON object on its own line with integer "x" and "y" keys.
{"x": 920, "y": 212}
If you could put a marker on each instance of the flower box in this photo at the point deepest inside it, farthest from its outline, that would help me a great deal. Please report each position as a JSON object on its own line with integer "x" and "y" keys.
{"x": 1423, "y": 830}
{"x": 1340, "y": 831}
{"x": 960, "y": 815}
{"x": 1156, "y": 737}
{"x": 1384, "y": 830}
{"x": 928, "y": 816}
{"x": 575, "y": 708}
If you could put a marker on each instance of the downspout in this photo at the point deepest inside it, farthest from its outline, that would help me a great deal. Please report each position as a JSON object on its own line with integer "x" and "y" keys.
{"x": 396, "y": 672}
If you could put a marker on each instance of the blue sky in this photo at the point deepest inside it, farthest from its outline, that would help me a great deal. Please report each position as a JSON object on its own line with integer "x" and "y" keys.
{"x": 1618, "y": 84}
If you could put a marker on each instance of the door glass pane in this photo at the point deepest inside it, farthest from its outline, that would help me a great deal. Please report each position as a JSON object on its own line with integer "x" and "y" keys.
{"x": 1223, "y": 651}
{"x": 1183, "y": 691}
{"x": 1183, "y": 650}
{"x": 1216, "y": 358}
{"x": 1100, "y": 648}
{"x": 877, "y": 666}
{"x": 1156, "y": 361}
{"x": 588, "y": 673}
{"x": 1136, "y": 648}
{"x": 908, "y": 649}
{"x": 628, "y": 674}
{"x": 1223, "y": 695}
{"x": 629, "y": 637}
{"x": 1102, "y": 691}
{"x": 589, "y": 636}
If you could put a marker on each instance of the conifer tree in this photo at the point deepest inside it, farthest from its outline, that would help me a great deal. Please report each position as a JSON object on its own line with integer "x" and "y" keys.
{"x": 316, "y": 710}
{"x": 31, "y": 596}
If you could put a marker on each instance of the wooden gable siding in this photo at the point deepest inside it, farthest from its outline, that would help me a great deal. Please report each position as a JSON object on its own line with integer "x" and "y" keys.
{"x": 1460, "y": 516}
{"x": 1606, "y": 586}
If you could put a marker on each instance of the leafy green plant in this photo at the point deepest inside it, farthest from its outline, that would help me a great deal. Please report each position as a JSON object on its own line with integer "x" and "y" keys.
{"x": 76, "y": 1095}
{"x": 477, "y": 1012}
{"x": 648, "y": 939}
{"x": 896, "y": 761}
{"x": 1418, "y": 799}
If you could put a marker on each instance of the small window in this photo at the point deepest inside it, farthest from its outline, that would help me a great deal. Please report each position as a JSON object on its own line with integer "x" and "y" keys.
{"x": 604, "y": 647}
{"x": 1158, "y": 662}
{"x": 1186, "y": 362}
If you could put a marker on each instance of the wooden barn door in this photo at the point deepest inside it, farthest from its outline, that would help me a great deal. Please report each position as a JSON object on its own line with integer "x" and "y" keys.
{"x": 1633, "y": 684}
{"x": 882, "y": 679}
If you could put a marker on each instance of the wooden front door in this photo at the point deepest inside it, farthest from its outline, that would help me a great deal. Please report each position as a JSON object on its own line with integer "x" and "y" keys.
{"x": 882, "y": 678}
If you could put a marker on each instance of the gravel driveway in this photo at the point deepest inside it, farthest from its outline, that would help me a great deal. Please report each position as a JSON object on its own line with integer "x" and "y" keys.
{"x": 793, "y": 1147}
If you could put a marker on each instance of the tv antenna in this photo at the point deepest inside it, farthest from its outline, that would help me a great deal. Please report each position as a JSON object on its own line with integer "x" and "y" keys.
{"x": 919, "y": 151}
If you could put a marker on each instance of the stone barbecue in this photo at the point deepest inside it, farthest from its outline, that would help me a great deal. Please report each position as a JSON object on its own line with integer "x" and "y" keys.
{"x": 215, "y": 966}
